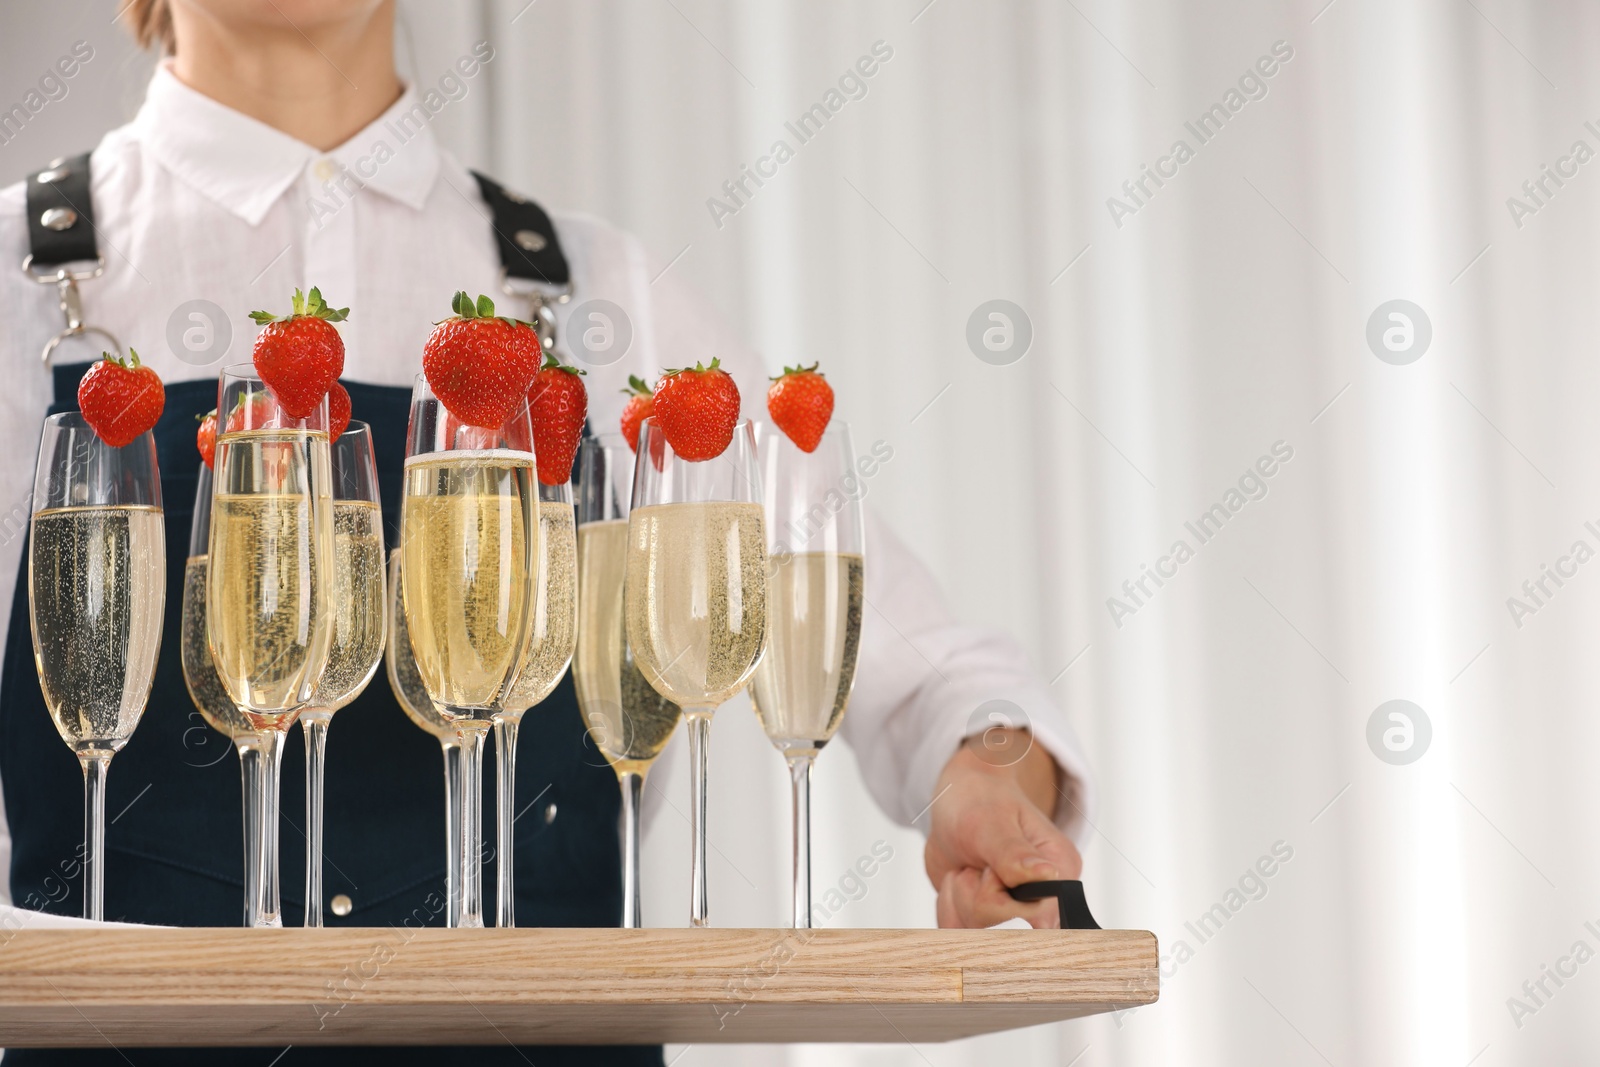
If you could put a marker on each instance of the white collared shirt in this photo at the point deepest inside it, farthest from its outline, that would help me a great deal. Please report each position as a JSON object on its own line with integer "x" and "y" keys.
{"x": 195, "y": 201}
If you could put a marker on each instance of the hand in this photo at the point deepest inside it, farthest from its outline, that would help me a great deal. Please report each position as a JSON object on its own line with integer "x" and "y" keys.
{"x": 992, "y": 827}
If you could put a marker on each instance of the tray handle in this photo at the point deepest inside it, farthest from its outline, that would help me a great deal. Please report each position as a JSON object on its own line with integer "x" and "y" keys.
{"x": 1075, "y": 914}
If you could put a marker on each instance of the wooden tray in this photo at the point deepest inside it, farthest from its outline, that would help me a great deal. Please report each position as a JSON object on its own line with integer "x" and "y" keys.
{"x": 90, "y": 988}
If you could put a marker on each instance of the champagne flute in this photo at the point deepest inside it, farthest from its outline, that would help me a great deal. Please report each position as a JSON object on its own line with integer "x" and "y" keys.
{"x": 551, "y": 635}
{"x": 359, "y": 608}
{"x": 97, "y": 579}
{"x": 413, "y": 698}
{"x": 814, "y": 599}
{"x": 268, "y": 587}
{"x": 629, "y": 721}
{"x": 695, "y": 593}
{"x": 470, "y": 545}
{"x": 200, "y": 673}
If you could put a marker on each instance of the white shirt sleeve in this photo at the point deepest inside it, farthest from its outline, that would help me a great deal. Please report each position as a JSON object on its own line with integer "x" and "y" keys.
{"x": 924, "y": 681}
{"x": 28, "y": 316}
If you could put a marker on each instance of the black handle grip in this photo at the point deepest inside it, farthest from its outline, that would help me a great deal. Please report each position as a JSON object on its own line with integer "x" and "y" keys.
{"x": 1069, "y": 896}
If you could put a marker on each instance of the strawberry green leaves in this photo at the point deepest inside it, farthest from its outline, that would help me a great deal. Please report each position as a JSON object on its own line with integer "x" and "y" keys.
{"x": 482, "y": 308}
{"x": 308, "y": 305}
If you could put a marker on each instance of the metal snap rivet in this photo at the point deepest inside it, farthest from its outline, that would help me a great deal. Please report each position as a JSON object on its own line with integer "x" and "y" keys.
{"x": 340, "y": 905}
{"x": 59, "y": 218}
{"x": 529, "y": 240}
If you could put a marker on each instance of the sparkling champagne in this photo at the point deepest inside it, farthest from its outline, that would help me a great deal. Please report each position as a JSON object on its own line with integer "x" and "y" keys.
{"x": 803, "y": 683}
{"x": 406, "y": 681}
{"x": 555, "y": 615}
{"x": 629, "y": 721}
{"x": 268, "y": 586}
{"x": 358, "y": 603}
{"x": 210, "y": 696}
{"x": 696, "y": 597}
{"x": 97, "y": 590}
{"x": 468, "y": 572}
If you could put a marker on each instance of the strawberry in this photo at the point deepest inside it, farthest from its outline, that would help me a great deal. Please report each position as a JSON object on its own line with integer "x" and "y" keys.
{"x": 697, "y": 410}
{"x": 205, "y": 438}
{"x": 299, "y": 355}
{"x": 265, "y": 413}
{"x": 558, "y": 404}
{"x": 641, "y": 405}
{"x": 480, "y": 366}
{"x": 461, "y": 435}
{"x": 658, "y": 451}
{"x": 120, "y": 399}
{"x": 338, "y": 410}
{"x": 800, "y": 402}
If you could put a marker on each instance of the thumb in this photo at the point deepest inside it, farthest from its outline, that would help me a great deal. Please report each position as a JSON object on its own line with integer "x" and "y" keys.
{"x": 1015, "y": 859}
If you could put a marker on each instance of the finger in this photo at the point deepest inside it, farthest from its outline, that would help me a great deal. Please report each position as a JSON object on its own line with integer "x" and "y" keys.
{"x": 993, "y": 897}
{"x": 1038, "y": 846}
{"x": 1056, "y": 847}
{"x": 949, "y": 915}
{"x": 974, "y": 900}
{"x": 1016, "y": 857}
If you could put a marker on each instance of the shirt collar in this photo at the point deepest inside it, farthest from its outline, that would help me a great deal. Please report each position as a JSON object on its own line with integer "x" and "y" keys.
{"x": 244, "y": 165}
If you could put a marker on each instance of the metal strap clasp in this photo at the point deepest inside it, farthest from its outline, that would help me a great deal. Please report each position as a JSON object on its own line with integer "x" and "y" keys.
{"x": 71, "y": 301}
{"x": 542, "y": 300}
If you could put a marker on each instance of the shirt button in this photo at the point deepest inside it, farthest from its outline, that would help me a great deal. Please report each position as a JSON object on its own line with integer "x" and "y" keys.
{"x": 550, "y": 814}
{"x": 340, "y": 905}
{"x": 325, "y": 170}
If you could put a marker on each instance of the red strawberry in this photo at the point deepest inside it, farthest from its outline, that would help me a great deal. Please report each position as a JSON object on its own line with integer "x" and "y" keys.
{"x": 480, "y": 366}
{"x": 640, "y": 406}
{"x": 300, "y": 355}
{"x": 558, "y": 404}
{"x": 205, "y": 438}
{"x": 800, "y": 402}
{"x": 265, "y": 413}
{"x": 461, "y": 435}
{"x": 338, "y": 410}
{"x": 658, "y": 450}
{"x": 697, "y": 410}
{"x": 120, "y": 399}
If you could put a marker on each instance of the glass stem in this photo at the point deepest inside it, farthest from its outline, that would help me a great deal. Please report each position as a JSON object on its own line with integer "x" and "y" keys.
{"x": 95, "y": 765}
{"x": 452, "y": 831}
{"x": 505, "y": 747}
{"x": 632, "y": 797}
{"x": 272, "y": 903}
{"x": 262, "y": 907}
{"x": 473, "y": 733}
{"x": 698, "y": 721}
{"x": 800, "y": 778}
{"x": 250, "y": 774}
{"x": 315, "y": 722}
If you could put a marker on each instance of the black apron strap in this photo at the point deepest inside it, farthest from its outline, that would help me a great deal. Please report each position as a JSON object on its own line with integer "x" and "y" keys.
{"x": 525, "y": 236}
{"x": 61, "y": 224}
{"x": 61, "y": 214}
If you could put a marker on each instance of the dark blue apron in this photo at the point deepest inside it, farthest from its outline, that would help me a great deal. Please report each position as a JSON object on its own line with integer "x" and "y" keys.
{"x": 175, "y": 840}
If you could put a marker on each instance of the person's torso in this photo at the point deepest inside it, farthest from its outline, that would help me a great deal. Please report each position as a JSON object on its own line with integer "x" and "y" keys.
{"x": 176, "y": 852}
{"x": 174, "y": 841}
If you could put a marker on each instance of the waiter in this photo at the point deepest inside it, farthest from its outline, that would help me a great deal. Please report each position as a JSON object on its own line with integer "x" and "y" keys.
{"x": 268, "y": 156}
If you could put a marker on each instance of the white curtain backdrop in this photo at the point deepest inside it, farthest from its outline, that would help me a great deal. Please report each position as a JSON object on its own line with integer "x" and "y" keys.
{"x": 1176, "y": 342}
